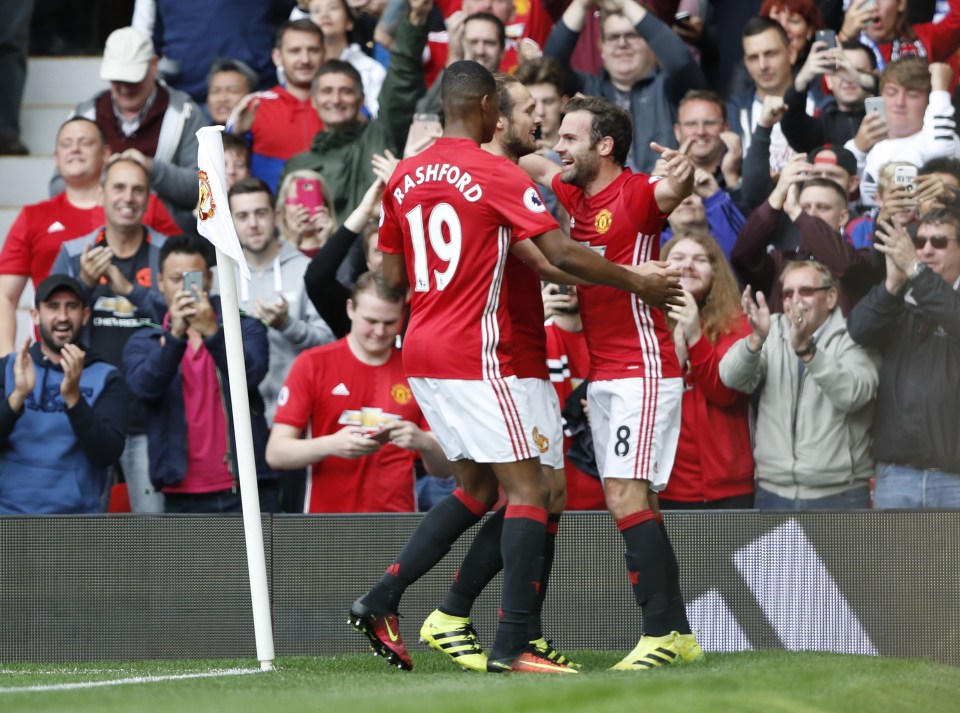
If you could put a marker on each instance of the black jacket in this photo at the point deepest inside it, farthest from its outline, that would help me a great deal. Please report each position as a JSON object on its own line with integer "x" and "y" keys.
{"x": 918, "y": 334}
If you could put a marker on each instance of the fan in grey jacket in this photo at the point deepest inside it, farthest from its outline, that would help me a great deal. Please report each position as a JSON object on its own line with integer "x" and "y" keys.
{"x": 276, "y": 292}
{"x": 816, "y": 388}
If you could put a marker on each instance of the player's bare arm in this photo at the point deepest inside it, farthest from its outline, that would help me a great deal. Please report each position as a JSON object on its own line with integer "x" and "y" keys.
{"x": 541, "y": 170}
{"x": 527, "y": 251}
{"x": 678, "y": 181}
{"x": 657, "y": 289}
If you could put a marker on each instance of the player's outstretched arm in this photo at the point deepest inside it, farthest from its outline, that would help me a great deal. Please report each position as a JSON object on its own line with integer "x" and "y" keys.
{"x": 540, "y": 169}
{"x": 656, "y": 287}
{"x": 528, "y": 252}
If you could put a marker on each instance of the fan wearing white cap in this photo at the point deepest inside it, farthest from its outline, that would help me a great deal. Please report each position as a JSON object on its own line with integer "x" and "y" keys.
{"x": 147, "y": 121}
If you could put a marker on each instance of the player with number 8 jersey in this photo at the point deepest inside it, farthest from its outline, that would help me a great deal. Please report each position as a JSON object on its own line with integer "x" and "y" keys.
{"x": 457, "y": 242}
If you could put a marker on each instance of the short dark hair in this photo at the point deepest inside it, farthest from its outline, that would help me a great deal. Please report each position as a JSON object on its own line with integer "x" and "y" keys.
{"x": 297, "y": 26}
{"x": 503, "y": 89}
{"x": 943, "y": 216}
{"x": 488, "y": 17}
{"x": 941, "y": 164}
{"x": 229, "y": 64}
{"x": 610, "y": 120}
{"x": 543, "y": 70}
{"x": 855, "y": 45}
{"x": 462, "y": 85}
{"x": 232, "y": 142}
{"x": 376, "y": 283}
{"x": 73, "y": 119}
{"x": 704, "y": 95}
{"x": 759, "y": 25}
{"x": 338, "y": 66}
{"x": 187, "y": 245}
{"x": 250, "y": 185}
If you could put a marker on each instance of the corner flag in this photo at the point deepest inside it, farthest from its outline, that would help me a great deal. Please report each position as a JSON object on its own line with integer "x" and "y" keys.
{"x": 214, "y": 221}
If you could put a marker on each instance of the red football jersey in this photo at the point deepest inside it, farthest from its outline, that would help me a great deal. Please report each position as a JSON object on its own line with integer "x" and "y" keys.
{"x": 525, "y": 304}
{"x": 569, "y": 363}
{"x": 627, "y": 339}
{"x": 453, "y": 211}
{"x": 329, "y": 388}
{"x": 35, "y": 237}
{"x": 284, "y": 125}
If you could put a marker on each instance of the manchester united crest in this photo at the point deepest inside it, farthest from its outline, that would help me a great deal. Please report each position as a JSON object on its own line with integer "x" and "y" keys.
{"x": 541, "y": 441}
{"x": 603, "y": 221}
{"x": 401, "y": 393}
{"x": 206, "y": 207}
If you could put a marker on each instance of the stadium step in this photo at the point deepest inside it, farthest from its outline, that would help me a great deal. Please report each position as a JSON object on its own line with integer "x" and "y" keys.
{"x": 54, "y": 86}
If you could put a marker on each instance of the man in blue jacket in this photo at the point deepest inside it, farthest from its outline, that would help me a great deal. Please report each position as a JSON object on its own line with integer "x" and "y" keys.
{"x": 179, "y": 370}
{"x": 62, "y": 416}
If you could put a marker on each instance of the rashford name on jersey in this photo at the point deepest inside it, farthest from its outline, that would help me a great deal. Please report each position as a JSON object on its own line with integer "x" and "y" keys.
{"x": 454, "y": 175}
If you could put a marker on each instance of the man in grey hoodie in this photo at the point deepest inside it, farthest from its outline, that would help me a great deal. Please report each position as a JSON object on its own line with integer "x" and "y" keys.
{"x": 276, "y": 292}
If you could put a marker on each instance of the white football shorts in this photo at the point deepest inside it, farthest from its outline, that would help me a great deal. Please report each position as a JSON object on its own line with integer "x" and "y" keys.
{"x": 486, "y": 421}
{"x": 636, "y": 427}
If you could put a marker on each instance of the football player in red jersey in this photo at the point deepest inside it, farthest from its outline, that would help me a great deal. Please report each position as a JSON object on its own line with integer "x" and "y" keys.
{"x": 448, "y": 628}
{"x": 635, "y": 378}
{"x": 450, "y": 216}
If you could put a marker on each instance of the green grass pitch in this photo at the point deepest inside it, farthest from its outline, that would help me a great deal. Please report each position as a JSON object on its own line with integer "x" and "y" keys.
{"x": 760, "y": 681}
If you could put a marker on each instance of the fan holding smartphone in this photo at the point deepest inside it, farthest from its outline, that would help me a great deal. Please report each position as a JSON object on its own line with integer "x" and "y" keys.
{"x": 305, "y": 212}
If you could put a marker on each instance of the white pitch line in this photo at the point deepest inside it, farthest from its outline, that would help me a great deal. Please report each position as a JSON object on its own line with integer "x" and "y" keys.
{"x": 128, "y": 681}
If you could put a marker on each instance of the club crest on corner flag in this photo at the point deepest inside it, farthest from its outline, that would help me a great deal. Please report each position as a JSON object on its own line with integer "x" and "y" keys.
{"x": 214, "y": 221}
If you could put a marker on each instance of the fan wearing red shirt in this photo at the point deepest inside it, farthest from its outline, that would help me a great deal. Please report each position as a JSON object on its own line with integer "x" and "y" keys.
{"x": 40, "y": 229}
{"x": 365, "y": 426}
{"x": 283, "y": 121}
{"x": 635, "y": 387}
{"x": 450, "y": 216}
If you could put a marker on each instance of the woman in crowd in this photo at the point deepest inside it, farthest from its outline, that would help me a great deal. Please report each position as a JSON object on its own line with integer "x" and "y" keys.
{"x": 335, "y": 19}
{"x": 799, "y": 18}
{"x": 883, "y": 26}
{"x": 305, "y": 226}
{"x": 714, "y": 464}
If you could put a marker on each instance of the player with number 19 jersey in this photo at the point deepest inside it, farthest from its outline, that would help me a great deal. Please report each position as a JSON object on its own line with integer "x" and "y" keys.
{"x": 454, "y": 211}
{"x": 627, "y": 339}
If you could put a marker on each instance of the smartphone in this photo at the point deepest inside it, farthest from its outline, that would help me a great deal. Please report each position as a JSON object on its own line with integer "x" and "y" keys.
{"x": 193, "y": 281}
{"x": 905, "y": 176}
{"x": 308, "y": 193}
{"x": 381, "y": 436}
{"x": 829, "y": 37}
{"x": 682, "y": 18}
{"x": 874, "y": 105}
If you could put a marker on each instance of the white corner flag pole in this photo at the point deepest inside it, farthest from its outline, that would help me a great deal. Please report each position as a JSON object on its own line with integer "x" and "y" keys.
{"x": 215, "y": 223}
{"x": 249, "y": 497}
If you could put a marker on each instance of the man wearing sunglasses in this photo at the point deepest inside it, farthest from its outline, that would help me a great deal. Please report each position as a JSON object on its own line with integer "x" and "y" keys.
{"x": 913, "y": 318}
{"x": 816, "y": 388}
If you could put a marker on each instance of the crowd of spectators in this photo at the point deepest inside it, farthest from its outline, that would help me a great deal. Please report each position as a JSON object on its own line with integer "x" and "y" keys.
{"x": 820, "y": 327}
